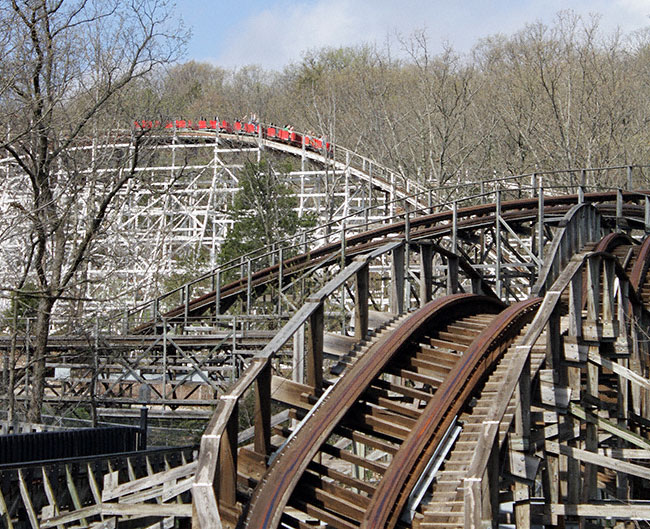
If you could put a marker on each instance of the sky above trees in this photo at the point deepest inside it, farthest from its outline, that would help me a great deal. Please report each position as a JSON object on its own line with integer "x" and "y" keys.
{"x": 273, "y": 33}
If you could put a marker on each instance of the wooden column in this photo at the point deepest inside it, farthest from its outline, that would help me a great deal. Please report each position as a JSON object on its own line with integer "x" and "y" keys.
{"x": 590, "y": 486}
{"x": 609, "y": 314}
{"x": 592, "y": 327}
{"x": 520, "y": 441}
{"x": 298, "y": 374}
{"x": 263, "y": 411}
{"x": 227, "y": 473}
{"x": 397, "y": 281}
{"x": 315, "y": 350}
{"x": 452, "y": 274}
{"x": 361, "y": 303}
{"x": 426, "y": 272}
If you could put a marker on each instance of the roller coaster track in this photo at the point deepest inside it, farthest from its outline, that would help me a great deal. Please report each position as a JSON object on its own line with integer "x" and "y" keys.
{"x": 448, "y": 223}
{"x": 449, "y": 409}
{"x": 337, "y": 158}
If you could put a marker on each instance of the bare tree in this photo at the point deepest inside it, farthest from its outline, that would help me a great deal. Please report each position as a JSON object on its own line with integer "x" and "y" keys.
{"x": 65, "y": 62}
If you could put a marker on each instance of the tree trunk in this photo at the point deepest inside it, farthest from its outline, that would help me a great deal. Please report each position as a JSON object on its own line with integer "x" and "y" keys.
{"x": 41, "y": 334}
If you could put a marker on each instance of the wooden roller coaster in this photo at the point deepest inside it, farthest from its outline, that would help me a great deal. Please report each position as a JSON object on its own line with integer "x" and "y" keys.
{"x": 519, "y": 397}
{"x": 464, "y": 412}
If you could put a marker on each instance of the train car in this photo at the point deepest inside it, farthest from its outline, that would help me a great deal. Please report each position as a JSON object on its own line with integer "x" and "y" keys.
{"x": 270, "y": 132}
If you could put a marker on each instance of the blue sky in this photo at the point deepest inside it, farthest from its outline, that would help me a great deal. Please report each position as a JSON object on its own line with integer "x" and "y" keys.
{"x": 273, "y": 33}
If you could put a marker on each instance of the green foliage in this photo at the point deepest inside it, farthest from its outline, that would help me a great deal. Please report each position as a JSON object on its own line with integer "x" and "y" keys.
{"x": 23, "y": 305}
{"x": 188, "y": 267}
{"x": 264, "y": 210}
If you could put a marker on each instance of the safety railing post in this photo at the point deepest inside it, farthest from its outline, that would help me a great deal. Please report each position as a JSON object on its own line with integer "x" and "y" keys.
{"x": 217, "y": 293}
{"x": 226, "y": 477}
{"x": 186, "y": 304}
{"x": 533, "y": 184}
{"x": 248, "y": 286}
{"x": 280, "y": 278}
{"x": 540, "y": 222}
{"x": 619, "y": 209}
{"x": 629, "y": 178}
{"x": 454, "y": 227}
{"x": 164, "y": 363}
{"x": 407, "y": 223}
{"x": 343, "y": 244}
{"x": 499, "y": 281}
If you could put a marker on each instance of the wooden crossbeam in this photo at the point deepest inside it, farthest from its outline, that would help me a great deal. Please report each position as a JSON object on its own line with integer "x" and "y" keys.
{"x": 599, "y": 459}
{"x": 623, "y": 511}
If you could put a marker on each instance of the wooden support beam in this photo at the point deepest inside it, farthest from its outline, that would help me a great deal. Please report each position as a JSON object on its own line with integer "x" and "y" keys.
{"x": 315, "y": 349}
{"x": 575, "y": 305}
{"x": 452, "y": 274}
{"x": 27, "y": 500}
{"x": 591, "y": 436}
{"x": 622, "y": 511}
{"x": 4, "y": 512}
{"x": 609, "y": 313}
{"x": 362, "y": 287}
{"x": 227, "y": 473}
{"x": 72, "y": 489}
{"x": 263, "y": 411}
{"x": 598, "y": 459}
{"x": 522, "y": 505}
{"x": 592, "y": 326}
{"x": 426, "y": 272}
{"x": 397, "y": 280}
{"x": 608, "y": 426}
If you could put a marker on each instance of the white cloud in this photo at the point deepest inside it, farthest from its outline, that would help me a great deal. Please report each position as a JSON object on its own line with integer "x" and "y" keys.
{"x": 284, "y": 29}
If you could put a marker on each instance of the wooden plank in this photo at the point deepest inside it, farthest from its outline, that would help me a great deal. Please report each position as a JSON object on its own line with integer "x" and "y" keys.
{"x": 598, "y": 459}
{"x": 149, "y": 481}
{"x": 623, "y": 511}
{"x": 147, "y": 509}
{"x": 426, "y": 272}
{"x": 337, "y": 344}
{"x": 27, "y": 501}
{"x": 623, "y": 433}
{"x": 4, "y": 512}
{"x": 72, "y": 488}
{"x": 73, "y": 516}
{"x": 617, "y": 368}
{"x": 292, "y": 393}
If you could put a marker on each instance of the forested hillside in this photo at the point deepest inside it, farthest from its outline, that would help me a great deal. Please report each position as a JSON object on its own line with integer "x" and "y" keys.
{"x": 548, "y": 97}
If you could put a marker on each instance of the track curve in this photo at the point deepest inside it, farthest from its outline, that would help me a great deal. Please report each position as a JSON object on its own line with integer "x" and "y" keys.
{"x": 270, "y": 498}
{"x": 435, "y": 225}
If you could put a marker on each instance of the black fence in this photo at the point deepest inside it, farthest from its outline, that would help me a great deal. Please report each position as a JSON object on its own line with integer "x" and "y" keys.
{"x": 42, "y": 446}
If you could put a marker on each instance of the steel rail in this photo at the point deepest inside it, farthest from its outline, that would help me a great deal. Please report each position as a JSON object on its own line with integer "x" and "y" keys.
{"x": 272, "y": 494}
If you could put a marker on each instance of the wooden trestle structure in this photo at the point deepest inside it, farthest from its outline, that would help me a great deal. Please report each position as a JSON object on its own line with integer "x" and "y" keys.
{"x": 472, "y": 409}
